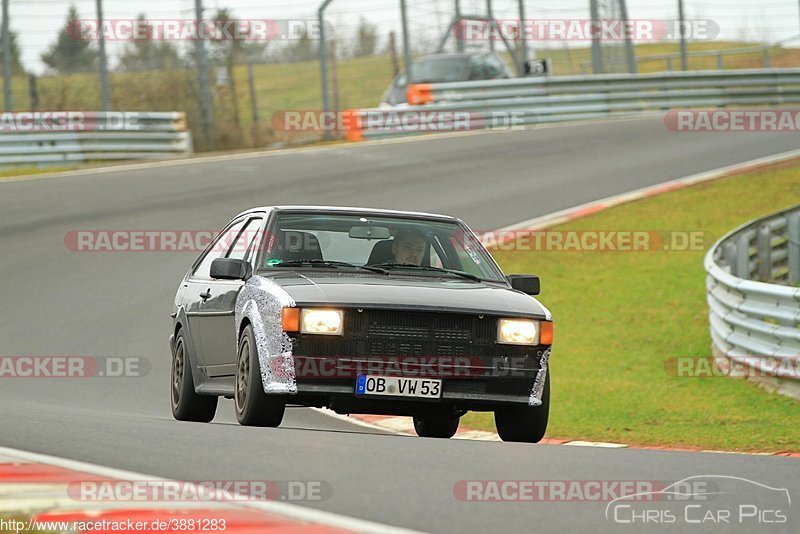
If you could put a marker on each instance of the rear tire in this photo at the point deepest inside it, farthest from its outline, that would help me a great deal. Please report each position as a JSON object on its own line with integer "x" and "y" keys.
{"x": 436, "y": 427}
{"x": 526, "y": 424}
{"x": 253, "y": 406}
{"x": 186, "y": 404}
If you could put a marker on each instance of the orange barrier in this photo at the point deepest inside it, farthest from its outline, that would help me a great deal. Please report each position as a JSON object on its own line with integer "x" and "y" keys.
{"x": 354, "y": 130}
{"x": 419, "y": 93}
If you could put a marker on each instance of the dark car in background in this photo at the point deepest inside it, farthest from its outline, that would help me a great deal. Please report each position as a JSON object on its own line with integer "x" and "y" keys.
{"x": 443, "y": 68}
{"x": 360, "y": 311}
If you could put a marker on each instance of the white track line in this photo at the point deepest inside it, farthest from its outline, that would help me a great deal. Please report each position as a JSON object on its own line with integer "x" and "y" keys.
{"x": 290, "y": 511}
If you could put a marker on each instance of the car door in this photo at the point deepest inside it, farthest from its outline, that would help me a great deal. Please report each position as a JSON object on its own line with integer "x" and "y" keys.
{"x": 197, "y": 285}
{"x": 216, "y": 317}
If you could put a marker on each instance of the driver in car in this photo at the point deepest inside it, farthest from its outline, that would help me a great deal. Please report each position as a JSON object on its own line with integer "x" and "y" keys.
{"x": 408, "y": 247}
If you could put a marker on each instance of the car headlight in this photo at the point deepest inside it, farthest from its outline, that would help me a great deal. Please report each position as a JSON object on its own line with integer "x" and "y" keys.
{"x": 313, "y": 321}
{"x": 518, "y": 331}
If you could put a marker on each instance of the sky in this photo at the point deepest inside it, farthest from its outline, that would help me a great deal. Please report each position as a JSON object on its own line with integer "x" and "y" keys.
{"x": 37, "y": 22}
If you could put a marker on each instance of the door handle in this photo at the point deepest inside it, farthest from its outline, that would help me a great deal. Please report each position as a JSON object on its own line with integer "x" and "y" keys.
{"x": 206, "y": 295}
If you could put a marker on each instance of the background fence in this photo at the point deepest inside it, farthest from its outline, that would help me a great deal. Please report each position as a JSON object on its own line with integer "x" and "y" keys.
{"x": 754, "y": 301}
{"x": 250, "y": 82}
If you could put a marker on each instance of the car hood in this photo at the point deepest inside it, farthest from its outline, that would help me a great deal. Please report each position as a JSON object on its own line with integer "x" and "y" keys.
{"x": 406, "y": 292}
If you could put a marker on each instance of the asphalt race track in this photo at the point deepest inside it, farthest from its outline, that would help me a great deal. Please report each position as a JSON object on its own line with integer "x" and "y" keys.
{"x": 58, "y": 302}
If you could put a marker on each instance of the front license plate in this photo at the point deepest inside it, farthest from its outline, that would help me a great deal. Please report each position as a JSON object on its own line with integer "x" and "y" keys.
{"x": 395, "y": 386}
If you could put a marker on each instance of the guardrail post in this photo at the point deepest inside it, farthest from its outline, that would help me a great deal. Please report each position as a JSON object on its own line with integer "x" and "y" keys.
{"x": 793, "y": 224}
{"x": 720, "y": 61}
{"x": 729, "y": 256}
{"x": 767, "y": 60}
{"x": 669, "y": 64}
{"x": 7, "y": 103}
{"x": 764, "y": 270}
{"x": 743, "y": 257}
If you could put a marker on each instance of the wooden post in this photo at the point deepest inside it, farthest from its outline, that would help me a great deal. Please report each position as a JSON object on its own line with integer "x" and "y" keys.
{"x": 253, "y": 105}
{"x": 334, "y": 77}
{"x": 393, "y": 51}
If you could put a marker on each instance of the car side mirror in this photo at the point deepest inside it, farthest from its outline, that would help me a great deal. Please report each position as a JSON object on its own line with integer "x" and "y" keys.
{"x": 231, "y": 269}
{"x": 526, "y": 283}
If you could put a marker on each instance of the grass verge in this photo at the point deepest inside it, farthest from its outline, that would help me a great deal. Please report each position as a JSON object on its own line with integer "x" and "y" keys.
{"x": 22, "y": 172}
{"x": 620, "y": 315}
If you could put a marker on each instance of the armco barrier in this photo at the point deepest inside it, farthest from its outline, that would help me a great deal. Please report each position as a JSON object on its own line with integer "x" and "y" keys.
{"x": 99, "y": 137}
{"x": 566, "y": 98}
{"x": 754, "y": 306}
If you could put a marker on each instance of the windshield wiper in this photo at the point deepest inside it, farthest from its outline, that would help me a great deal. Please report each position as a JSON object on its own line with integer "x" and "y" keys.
{"x": 462, "y": 274}
{"x": 330, "y": 263}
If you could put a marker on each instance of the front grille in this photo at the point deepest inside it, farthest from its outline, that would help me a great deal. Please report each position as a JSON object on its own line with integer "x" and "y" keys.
{"x": 389, "y": 333}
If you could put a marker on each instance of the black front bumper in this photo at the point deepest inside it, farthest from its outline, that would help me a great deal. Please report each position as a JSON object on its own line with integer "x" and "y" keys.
{"x": 477, "y": 373}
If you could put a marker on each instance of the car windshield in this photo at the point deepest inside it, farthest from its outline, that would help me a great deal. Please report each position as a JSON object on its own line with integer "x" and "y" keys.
{"x": 380, "y": 244}
{"x": 439, "y": 70}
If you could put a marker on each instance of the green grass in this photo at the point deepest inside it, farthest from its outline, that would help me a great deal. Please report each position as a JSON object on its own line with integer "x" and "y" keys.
{"x": 620, "y": 315}
{"x": 22, "y": 172}
{"x": 566, "y": 61}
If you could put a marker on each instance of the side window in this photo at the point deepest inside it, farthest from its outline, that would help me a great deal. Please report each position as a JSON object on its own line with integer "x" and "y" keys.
{"x": 218, "y": 248}
{"x": 243, "y": 246}
{"x": 494, "y": 68}
{"x": 478, "y": 68}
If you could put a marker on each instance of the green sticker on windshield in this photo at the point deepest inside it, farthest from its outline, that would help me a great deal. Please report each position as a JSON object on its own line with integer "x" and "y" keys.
{"x": 274, "y": 261}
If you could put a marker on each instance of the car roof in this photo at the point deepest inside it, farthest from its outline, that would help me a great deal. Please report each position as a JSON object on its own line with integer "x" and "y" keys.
{"x": 359, "y": 211}
{"x": 453, "y": 55}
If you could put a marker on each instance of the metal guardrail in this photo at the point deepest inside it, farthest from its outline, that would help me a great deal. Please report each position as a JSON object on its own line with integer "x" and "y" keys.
{"x": 754, "y": 310}
{"x": 566, "y": 98}
{"x": 92, "y": 137}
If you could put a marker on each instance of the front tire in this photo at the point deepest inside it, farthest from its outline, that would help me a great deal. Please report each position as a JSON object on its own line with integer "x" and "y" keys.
{"x": 526, "y": 424}
{"x": 186, "y": 404}
{"x": 436, "y": 427}
{"x": 253, "y": 406}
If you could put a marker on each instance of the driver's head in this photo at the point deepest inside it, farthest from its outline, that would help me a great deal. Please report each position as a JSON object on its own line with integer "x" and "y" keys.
{"x": 409, "y": 247}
